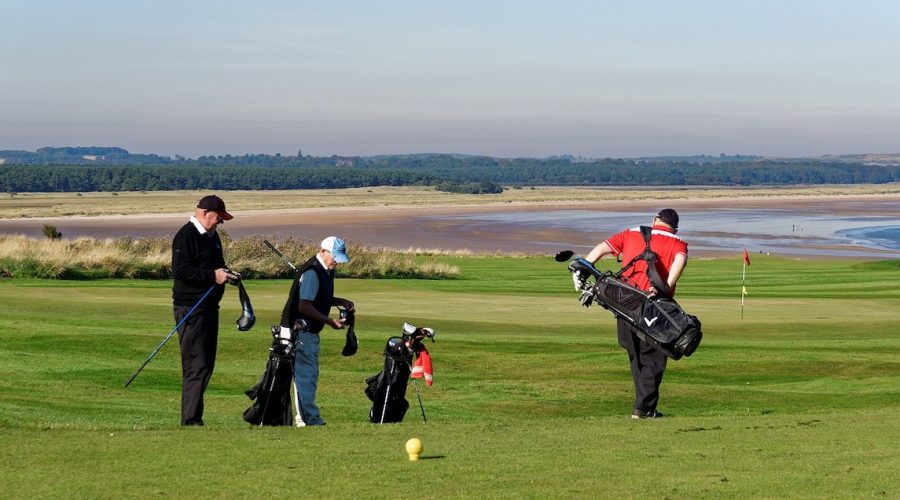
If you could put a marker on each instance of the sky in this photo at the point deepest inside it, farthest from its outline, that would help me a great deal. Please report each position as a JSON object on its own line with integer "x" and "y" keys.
{"x": 501, "y": 78}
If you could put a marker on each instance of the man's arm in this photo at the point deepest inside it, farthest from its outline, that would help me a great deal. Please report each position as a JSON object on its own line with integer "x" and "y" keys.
{"x": 307, "y": 310}
{"x": 598, "y": 252}
{"x": 346, "y": 304}
{"x": 677, "y": 268}
{"x": 309, "y": 288}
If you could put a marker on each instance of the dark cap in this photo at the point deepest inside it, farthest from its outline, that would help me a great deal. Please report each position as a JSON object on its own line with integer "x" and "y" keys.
{"x": 669, "y": 216}
{"x": 214, "y": 203}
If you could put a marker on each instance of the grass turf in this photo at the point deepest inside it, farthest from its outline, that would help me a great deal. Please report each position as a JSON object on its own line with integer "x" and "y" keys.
{"x": 531, "y": 395}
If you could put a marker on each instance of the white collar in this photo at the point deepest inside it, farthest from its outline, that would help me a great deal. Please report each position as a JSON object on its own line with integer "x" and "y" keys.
{"x": 200, "y": 228}
{"x": 319, "y": 257}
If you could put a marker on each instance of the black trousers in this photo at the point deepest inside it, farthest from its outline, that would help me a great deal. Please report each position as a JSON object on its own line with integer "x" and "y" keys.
{"x": 198, "y": 338}
{"x": 647, "y": 367}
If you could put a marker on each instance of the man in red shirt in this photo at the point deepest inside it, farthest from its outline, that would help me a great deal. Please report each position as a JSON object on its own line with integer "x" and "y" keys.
{"x": 647, "y": 363}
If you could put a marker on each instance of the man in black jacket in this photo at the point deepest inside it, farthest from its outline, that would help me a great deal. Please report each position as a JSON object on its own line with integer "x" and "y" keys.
{"x": 198, "y": 267}
{"x": 310, "y": 299}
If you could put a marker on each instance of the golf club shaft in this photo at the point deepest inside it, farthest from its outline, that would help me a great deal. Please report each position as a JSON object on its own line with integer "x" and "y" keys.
{"x": 419, "y": 396}
{"x": 272, "y": 247}
{"x": 161, "y": 344}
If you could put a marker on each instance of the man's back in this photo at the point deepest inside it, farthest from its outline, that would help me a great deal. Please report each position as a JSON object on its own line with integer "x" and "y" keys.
{"x": 630, "y": 243}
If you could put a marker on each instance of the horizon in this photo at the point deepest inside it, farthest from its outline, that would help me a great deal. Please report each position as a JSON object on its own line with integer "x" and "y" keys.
{"x": 432, "y": 153}
{"x": 504, "y": 79}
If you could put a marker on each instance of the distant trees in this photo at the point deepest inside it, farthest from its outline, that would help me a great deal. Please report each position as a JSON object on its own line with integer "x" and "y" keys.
{"x": 483, "y": 187}
{"x": 114, "y": 169}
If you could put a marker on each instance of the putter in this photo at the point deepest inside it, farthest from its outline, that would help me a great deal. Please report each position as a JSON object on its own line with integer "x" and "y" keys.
{"x": 161, "y": 344}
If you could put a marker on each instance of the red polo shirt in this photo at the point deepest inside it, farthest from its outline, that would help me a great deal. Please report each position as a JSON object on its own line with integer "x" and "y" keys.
{"x": 630, "y": 243}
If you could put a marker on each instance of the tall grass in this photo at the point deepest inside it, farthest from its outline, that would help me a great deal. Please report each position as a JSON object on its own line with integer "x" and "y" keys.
{"x": 150, "y": 258}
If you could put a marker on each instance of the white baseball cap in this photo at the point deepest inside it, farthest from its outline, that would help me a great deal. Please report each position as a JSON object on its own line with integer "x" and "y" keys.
{"x": 337, "y": 248}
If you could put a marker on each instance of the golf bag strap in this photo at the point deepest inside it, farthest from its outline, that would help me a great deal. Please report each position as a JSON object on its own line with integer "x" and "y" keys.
{"x": 648, "y": 255}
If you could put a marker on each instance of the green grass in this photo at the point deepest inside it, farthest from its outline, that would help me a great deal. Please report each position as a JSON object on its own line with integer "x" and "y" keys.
{"x": 531, "y": 396}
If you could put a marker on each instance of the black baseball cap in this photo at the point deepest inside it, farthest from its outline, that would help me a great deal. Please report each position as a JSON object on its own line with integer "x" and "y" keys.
{"x": 669, "y": 216}
{"x": 214, "y": 203}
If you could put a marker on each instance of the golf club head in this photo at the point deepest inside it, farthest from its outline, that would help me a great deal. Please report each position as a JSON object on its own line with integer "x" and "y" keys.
{"x": 248, "y": 318}
{"x": 564, "y": 255}
{"x": 246, "y": 321}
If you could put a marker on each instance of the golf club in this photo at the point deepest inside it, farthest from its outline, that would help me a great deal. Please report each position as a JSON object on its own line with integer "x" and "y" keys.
{"x": 419, "y": 396}
{"x": 161, "y": 344}
{"x": 272, "y": 247}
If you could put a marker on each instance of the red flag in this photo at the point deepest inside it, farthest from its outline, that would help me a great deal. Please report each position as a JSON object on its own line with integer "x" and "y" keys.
{"x": 746, "y": 257}
{"x": 422, "y": 367}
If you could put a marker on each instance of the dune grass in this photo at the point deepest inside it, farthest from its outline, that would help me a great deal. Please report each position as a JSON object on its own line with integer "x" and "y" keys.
{"x": 531, "y": 397}
{"x": 151, "y": 258}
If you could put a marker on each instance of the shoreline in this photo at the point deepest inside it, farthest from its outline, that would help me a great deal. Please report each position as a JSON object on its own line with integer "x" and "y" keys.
{"x": 512, "y": 226}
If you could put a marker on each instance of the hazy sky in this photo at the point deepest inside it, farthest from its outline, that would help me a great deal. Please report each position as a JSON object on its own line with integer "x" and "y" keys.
{"x": 503, "y": 78}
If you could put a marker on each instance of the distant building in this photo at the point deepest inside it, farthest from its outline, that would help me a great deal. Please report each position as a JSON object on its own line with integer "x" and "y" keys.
{"x": 91, "y": 157}
{"x": 2, "y": 161}
{"x": 343, "y": 162}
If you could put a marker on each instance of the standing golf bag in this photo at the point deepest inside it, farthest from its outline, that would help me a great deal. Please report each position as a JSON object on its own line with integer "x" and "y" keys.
{"x": 387, "y": 389}
{"x": 272, "y": 394}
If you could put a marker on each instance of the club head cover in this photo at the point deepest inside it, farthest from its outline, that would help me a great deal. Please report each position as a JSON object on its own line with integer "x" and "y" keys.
{"x": 351, "y": 345}
{"x": 247, "y": 319}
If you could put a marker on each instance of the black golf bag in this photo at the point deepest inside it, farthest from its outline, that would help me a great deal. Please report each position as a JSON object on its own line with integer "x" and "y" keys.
{"x": 387, "y": 389}
{"x": 657, "y": 320}
{"x": 272, "y": 394}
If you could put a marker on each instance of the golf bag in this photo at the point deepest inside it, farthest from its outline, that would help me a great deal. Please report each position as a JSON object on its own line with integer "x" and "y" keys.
{"x": 387, "y": 389}
{"x": 657, "y": 320}
{"x": 272, "y": 394}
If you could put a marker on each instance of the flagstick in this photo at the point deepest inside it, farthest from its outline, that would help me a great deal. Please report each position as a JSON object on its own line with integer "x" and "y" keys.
{"x": 743, "y": 277}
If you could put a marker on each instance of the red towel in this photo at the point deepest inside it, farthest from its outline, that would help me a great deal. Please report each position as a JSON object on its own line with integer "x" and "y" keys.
{"x": 422, "y": 367}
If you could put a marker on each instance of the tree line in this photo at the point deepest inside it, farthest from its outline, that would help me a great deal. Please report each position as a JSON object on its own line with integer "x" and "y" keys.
{"x": 448, "y": 172}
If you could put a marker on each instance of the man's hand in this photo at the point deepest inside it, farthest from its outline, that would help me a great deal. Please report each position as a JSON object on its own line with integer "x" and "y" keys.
{"x": 224, "y": 276}
{"x": 337, "y": 324}
{"x": 346, "y": 304}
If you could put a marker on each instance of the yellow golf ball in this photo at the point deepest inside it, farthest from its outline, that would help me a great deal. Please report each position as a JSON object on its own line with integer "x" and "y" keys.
{"x": 414, "y": 448}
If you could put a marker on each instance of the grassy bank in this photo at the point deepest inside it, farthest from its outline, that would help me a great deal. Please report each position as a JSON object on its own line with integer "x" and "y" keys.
{"x": 151, "y": 258}
{"x": 531, "y": 395}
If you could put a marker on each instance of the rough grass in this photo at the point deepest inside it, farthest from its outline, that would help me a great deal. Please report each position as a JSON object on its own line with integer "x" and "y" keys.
{"x": 90, "y": 258}
{"x": 531, "y": 398}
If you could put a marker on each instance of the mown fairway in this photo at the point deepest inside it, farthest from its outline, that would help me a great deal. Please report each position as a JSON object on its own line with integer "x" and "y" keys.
{"x": 531, "y": 397}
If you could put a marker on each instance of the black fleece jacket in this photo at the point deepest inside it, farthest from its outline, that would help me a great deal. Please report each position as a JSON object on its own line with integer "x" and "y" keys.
{"x": 195, "y": 258}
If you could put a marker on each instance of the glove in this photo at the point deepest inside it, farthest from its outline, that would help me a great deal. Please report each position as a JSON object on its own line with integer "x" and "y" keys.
{"x": 579, "y": 280}
{"x": 587, "y": 298}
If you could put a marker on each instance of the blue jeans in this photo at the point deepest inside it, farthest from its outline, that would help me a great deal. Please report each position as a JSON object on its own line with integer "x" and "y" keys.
{"x": 306, "y": 377}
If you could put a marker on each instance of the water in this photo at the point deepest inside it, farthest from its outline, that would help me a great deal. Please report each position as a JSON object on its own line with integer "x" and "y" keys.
{"x": 778, "y": 231}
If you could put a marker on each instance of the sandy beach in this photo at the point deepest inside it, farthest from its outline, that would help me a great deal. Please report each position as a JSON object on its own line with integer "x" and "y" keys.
{"x": 506, "y": 226}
